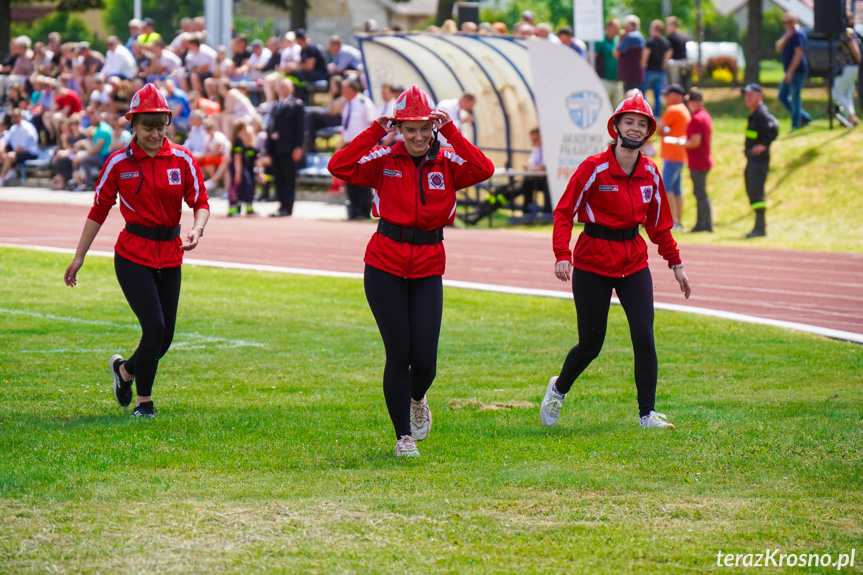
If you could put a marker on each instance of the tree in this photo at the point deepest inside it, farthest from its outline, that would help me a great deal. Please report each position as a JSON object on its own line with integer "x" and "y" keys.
{"x": 6, "y": 16}
{"x": 752, "y": 49}
{"x": 297, "y": 9}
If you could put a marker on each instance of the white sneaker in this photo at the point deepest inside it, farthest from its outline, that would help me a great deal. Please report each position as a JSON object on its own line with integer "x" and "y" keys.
{"x": 549, "y": 411}
{"x": 407, "y": 447}
{"x": 655, "y": 420}
{"x": 421, "y": 419}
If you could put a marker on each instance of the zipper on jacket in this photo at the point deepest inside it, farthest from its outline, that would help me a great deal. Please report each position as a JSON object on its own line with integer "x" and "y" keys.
{"x": 158, "y": 248}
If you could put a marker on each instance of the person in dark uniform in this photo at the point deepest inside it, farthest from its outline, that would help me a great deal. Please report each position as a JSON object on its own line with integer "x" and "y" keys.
{"x": 285, "y": 133}
{"x": 761, "y": 130}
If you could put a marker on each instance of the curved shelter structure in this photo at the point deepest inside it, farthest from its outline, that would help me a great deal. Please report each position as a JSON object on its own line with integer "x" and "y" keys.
{"x": 502, "y": 74}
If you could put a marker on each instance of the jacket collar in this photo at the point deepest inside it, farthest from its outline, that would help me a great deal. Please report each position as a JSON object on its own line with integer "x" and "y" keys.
{"x": 138, "y": 154}
{"x": 615, "y": 169}
{"x": 399, "y": 149}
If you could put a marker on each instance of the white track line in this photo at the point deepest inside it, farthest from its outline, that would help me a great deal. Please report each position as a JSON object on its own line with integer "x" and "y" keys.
{"x": 199, "y": 341}
{"x": 823, "y": 331}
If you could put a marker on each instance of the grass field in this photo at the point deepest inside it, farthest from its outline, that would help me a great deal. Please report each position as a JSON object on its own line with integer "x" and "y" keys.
{"x": 812, "y": 190}
{"x": 272, "y": 451}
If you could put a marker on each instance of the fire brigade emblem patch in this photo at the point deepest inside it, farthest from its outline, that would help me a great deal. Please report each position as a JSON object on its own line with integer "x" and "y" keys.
{"x": 174, "y": 177}
{"x": 436, "y": 181}
{"x": 646, "y": 193}
{"x": 584, "y": 108}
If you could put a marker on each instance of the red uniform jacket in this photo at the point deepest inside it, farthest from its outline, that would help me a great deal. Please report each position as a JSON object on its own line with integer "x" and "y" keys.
{"x": 600, "y": 192}
{"x": 169, "y": 178}
{"x": 420, "y": 197}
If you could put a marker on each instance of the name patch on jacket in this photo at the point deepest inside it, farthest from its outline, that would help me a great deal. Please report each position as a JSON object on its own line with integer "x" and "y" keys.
{"x": 607, "y": 188}
{"x": 174, "y": 176}
{"x": 393, "y": 173}
{"x": 646, "y": 193}
{"x": 436, "y": 181}
{"x": 127, "y": 175}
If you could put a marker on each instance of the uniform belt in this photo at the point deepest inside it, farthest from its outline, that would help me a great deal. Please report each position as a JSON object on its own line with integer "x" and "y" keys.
{"x": 157, "y": 234}
{"x": 410, "y": 235}
{"x": 604, "y": 233}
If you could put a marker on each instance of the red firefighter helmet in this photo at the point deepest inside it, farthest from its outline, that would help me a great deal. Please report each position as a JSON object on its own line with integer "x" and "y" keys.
{"x": 413, "y": 104}
{"x": 148, "y": 99}
{"x": 635, "y": 104}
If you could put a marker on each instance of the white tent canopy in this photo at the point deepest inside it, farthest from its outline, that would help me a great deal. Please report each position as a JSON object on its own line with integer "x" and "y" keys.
{"x": 494, "y": 69}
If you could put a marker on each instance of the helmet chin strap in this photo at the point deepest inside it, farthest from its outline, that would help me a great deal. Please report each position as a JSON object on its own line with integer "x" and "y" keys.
{"x": 629, "y": 143}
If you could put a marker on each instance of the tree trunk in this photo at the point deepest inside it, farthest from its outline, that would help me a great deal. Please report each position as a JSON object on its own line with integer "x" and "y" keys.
{"x": 5, "y": 23}
{"x": 298, "y": 14}
{"x": 444, "y": 11}
{"x": 752, "y": 49}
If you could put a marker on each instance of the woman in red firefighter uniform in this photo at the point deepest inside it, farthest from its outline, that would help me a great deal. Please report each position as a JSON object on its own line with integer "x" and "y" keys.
{"x": 151, "y": 177}
{"x": 612, "y": 193}
{"x": 415, "y": 182}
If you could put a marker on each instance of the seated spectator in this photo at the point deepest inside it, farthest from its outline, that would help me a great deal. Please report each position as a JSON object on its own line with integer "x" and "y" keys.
{"x": 275, "y": 54}
{"x": 122, "y": 136}
{"x": 289, "y": 57}
{"x": 51, "y": 56}
{"x": 134, "y": 32}
{"x": 119, "y": 61}
{"x": 469, "y": 28}
{"x": 240, "y": 50}
{"x": 186, "y": 27}
{"x": 345, "y": 57}
{"x": 197, "y": 140}
{"x": 214, "y": 164}
{"x": 312, "y": 65}
{"x": 18, "y": 65}
{"x": 316, "y": 118}
{"x": 90, "y": 160}
{"x": 148, "y": 33}
{"x": 87, "y": 65}
{"x": 236, "y": 105}
{"x": 254, "y": 64}
{"x": 101, "y": 98}
{"x": 66, "y": 103}
{"x": 16, "y": 97}
{"x": 163, "y": 63}
{"x": 200, "y": 63}
{"x": 17, "y": 144}
{"x": 224, "y": 66}
{"x": 178, "y": 101}
{"x": 205, "y": 105}
{"x": 68, "y": 134}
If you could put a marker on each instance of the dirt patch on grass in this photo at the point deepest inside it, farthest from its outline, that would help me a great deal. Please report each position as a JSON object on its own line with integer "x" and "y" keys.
{"x": 456, "y": 404}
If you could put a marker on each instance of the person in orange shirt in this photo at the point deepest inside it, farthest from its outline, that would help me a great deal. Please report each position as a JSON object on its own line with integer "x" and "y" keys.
{"x": 672, "y": 127}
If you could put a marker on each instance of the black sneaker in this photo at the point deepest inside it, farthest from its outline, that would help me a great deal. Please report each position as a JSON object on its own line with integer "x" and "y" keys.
{"x": 145, "y": 409}
{"x": 122, "y": 388}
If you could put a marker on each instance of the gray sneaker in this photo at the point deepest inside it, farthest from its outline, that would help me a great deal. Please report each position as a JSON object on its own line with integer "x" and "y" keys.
{"x": 549, "y": 411}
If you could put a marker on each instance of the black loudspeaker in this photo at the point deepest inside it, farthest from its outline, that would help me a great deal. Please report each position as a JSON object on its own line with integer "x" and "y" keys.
{"x": 467, "y": 12}
{"x": 829, "y": 16}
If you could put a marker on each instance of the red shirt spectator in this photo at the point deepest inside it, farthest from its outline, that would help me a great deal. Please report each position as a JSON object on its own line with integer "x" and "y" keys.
{"x": 700, "y": 158}
{"x": 68, "y": 98}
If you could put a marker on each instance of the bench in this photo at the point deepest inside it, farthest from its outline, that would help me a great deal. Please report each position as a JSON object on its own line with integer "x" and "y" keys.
{"x": 42, "y": 164}
{"x": 316, "y": 171}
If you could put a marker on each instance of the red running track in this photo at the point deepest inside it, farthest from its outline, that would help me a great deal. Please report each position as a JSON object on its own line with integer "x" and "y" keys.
{"x": 820, "y": 289}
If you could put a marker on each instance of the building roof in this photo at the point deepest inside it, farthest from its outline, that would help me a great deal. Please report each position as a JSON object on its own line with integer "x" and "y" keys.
{"x": 803, "y": 9}
{"x": 411, "y": 7}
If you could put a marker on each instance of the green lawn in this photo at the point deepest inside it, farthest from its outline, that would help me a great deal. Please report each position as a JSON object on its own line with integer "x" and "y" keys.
{"x": 272, "y": 451}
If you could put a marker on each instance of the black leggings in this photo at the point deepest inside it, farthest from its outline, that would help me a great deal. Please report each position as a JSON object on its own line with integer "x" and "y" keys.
{"x": 592, "y": 293}
{"x": 153, "y": 296}
{"x": 408, "y": 313}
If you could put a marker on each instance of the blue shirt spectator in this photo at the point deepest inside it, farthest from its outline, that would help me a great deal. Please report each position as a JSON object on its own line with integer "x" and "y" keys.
{"x": 798, "y": 38}
{"x": 344, "y": 57}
